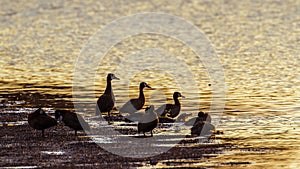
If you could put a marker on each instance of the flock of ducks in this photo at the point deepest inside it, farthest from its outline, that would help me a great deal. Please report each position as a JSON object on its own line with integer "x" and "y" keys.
{"x": 147, "y": 120}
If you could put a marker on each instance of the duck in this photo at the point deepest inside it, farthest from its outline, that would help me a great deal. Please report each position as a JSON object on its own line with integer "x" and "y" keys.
{"x": 148, "y": 122}
{"x": 171, "y": 110}
{"x": 106, "y": 101}
{"x": 39, "y": 120}
{"x": 133, "y": 105}
{"x": 202, "y": 125}
{"x": 72, "y": 120}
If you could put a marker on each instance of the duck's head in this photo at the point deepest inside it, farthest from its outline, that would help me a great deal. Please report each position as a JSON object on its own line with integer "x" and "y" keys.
{"x": 177, "y": 94}
{"x": 40, "y": 111}
{"x": 111, "y": 76}
{"x": 201, "y": 114}
{"x": 58, "y": 115}
{"x": 143, "y": 85}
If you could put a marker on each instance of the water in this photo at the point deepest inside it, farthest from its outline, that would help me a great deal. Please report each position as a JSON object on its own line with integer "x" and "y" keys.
{"x": 256, "y": 41}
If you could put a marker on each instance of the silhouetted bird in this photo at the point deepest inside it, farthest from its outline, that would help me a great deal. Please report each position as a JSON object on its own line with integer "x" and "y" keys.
{"x": 39, "y": 120}
{"x": 171, "y": 110}
{"x": 149, "y": 121}
{"x": 202, "y": 125}
{"x": 134, "y": 105}
{"x": 106, "y": 101}
{"x": 72, "y": 120}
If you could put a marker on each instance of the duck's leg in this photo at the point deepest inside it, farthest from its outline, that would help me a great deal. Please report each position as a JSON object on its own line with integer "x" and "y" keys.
{"x": 109, "y": 118}
{"x": 144, "y": 134}
{"x": 151, "y": 133}
{"x": 43, "y": 135}
{"x": 75, "y": 132}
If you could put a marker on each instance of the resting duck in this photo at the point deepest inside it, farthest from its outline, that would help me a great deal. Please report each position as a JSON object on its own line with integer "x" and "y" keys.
{"x": 170, "y": 110}
{"x": 106, "y": 101}
{"x": 136, "y": 104}
{"x": 202, "y": 125}
{"x": 149, "y": 121}
{"x": 72, "y": 120}
{"x": 39, "y": 120}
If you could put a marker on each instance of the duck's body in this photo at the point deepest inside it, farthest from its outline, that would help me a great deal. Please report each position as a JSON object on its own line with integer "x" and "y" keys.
{"x": 149, "y": 121}
{"x": 202, "y": 128}
{"x": 72, "y": 120}
{"x": 106, "y": 101}
{"x": 170, "y": 110}
{"x": 39, "y": 120}
{"x": 133, "y": 105}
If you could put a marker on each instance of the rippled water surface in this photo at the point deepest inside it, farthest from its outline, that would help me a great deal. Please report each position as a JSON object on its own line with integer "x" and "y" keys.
{"x": 257, "y": 43}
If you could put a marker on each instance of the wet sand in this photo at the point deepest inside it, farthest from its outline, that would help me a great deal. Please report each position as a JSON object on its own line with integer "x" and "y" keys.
{"x": 23, "y": 146}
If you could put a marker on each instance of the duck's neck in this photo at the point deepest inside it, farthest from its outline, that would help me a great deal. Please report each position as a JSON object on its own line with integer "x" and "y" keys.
{"x": 108, "y": 87}
{"x": 141, "y": 96}
{"x": 176, "y": 101}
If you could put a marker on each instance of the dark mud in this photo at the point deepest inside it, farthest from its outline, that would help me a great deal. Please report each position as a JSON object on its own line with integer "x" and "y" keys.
{"x": 22, "y": 146}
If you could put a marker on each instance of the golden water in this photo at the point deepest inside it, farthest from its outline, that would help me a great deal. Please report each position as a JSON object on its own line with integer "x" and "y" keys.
{"x": 257, "y": 42}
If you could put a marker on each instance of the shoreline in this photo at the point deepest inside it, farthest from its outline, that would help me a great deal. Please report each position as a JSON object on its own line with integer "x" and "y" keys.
{"x": 22, "y": 146}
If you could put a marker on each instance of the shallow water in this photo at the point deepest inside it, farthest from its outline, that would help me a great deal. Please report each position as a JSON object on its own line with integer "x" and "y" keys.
{"x": 257, "y": 43}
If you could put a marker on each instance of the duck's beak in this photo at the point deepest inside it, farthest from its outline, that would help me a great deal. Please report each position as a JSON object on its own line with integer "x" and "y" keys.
{"x": 148, "y": 86}
{"x": 116, "y": 78}
{"x": 182, "y": 96}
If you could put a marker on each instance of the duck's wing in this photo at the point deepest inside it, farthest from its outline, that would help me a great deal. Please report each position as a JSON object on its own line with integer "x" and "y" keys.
{"x": 164, "y": 110}
{"x": 173, "y": 111}
{"x": 46, "y": 121}
{"x": 202, "y": 128}
{"x": 70, "y": 119}
{"x": 146, "y": 127}
{"x": 105, "y": 103}
{"x": 83, "y": 123}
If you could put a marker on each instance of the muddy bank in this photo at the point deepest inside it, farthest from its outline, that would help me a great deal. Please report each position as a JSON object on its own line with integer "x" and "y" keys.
{"x": 23, "y": 146}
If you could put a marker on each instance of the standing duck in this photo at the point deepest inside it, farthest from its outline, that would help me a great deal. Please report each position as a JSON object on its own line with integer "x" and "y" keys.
{"x": 149, "y": 121}
{"x": 136, "y": 104}
{"x": 39, "y": 120}
{"x": 170, "y": 110}
{"x": 106, "y": 101}
{"x": 72, "y": 120}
